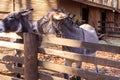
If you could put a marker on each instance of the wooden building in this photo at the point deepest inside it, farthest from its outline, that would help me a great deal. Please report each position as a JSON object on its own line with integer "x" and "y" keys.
{"x": 98, "y": 13}
{"x": 104, "y": 15}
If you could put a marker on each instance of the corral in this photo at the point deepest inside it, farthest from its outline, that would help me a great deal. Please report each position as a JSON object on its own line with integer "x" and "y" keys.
{"x": 31, "y": 62}
{"x": 48, "y": 63}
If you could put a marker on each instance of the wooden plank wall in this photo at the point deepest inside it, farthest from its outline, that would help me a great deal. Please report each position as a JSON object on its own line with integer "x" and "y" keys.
{"x": 96, "y": 1}
{"x": 94, "y": 16}
{"x": 107, "y": 2}
{"x": 5, "y": 7}
{"x": 119, "y": 4}
{"x": 41, "y": 7}
{"x": 117, "y": 19}
{"x": 111, "y": 3}
{"x": 109, "y": 17}
{"x": 71, "y": 6}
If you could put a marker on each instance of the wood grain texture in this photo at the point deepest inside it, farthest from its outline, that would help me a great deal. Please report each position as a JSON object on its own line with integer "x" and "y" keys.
{"x": 79, "y": 57}
{"x": 75, "y": 71}
{"x": 30, "y": 60}
{"x": 80, "y": 44}
{"x": 12, "y": 45}
{"x": 4, "y": 77}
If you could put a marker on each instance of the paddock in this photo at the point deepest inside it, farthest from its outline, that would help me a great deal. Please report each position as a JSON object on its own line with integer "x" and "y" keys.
{"x": 34, "y": 66}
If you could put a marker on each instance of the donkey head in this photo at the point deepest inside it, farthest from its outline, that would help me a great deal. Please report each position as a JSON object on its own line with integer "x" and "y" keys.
{"x": 49, "y": 23}
{"x": 58, "y": 14}
{"x": 15, "y": 22}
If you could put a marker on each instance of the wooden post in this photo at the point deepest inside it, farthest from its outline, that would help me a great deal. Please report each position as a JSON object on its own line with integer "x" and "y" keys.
{"x": 30, "y": 60}
{"x": 118, "y": 4}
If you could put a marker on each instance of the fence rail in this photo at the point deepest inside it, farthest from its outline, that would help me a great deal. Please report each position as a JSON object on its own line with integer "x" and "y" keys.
{"x": 11, "y": 45}
{"x": 4, "y": 77}
{"x": 86, "y": 45}
{"x": 75, "y": 71}
{"x": 79, "y": 57}
{"x": 31, "y": 62}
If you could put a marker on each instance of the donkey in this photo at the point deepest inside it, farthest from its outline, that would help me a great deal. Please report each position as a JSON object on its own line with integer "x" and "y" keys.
{"x": 84, "y": 32}
{"x": 59, "y": 23}
{"x": 48, "y": 24}
{"x": 18, "y": 23}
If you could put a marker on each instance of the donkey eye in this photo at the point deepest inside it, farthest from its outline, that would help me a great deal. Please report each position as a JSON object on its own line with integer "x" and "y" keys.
{"x": 12, "y": 17}
{"x": 35, "y": 31}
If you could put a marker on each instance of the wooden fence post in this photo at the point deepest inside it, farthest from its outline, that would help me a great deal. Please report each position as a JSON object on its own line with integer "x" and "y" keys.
{"x": 30, "y": 60}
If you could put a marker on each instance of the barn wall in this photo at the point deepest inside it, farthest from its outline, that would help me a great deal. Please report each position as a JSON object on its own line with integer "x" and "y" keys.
{"x": 109, "y": 17}
{"x": 117, "y": 19}
{"x": 76, "y": 8}
{"x": 97, "y": 1}
{"x": 5, "y": 7}
{"x": 71, "y": 6}
{"x": 119, "y": 4}
{"x": 94, "y": 16}
{"x": 41, "y": 7}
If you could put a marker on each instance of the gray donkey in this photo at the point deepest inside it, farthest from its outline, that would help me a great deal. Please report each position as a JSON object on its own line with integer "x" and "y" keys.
{"x": 17, "y": 23}
{"x": 59, "y": 23}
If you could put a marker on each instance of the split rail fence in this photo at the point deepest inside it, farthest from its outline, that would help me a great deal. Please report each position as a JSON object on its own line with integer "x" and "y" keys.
{"x": 31, "y": 63}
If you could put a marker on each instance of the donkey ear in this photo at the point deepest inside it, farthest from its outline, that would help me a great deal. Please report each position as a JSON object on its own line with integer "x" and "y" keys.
{"x": 71, "y": 15}
{"x": 26, "y": 12}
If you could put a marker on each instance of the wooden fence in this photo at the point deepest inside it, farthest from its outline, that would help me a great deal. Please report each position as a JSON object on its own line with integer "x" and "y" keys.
{"x": 7, "y": 60}
{"x": 31, "y": 62}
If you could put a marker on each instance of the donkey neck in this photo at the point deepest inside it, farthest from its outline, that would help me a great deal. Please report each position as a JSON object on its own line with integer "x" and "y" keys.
{"x": 45, "y": 25}
{"x": 70, "y": 25}
{"x": 2, "y": 28}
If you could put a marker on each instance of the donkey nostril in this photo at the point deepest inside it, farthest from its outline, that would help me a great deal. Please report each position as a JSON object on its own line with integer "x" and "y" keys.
{"x": 1, "y": 29}
{"x": 34, "y": 31}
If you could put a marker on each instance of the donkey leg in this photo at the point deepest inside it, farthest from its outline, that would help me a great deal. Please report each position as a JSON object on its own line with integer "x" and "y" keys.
{"x": 97, "y": 69}
{"x": 96, "y": 66}
{"x": 67, "y": 63}
{"x": 78, "y": 65}
{"x": 18, "y": 54}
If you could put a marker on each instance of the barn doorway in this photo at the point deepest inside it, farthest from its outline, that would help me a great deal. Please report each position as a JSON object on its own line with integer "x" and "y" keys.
{"x": 85, "y": 14}
{"x": 103, "y": 19}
